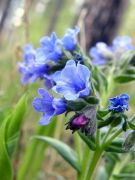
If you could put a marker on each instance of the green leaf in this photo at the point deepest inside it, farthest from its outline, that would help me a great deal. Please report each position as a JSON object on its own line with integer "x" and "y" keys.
{"x": 115, "y": 149}
{"x": 130, "y": 70}
{"x": 100, "y": 79}
{"x": 88, "y": 140}
{"x": 131, "y": 125}
{"x": 124, "y": 176}
{"x": 17, "y": 117}
{"x": 76, "y": 105}
{"x": 9, "y": 131}
{"x": 126, "y": 58}
{"x": 103, "y": 113}
{"x": 92, "y": 100}
{"x": 116, "y": 146}
{"x": 5, "y": 163}
{"x": 124, "y": 78}
{"x": 106, "y": 122}
{"x": 64, "y": 150}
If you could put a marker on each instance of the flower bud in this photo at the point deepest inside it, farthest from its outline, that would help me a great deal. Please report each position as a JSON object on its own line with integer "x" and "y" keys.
{"x": 77, "y": 122}
{"x": 130, "y": 141}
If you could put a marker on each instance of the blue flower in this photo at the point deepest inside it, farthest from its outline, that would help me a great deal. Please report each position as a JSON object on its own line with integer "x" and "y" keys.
{"x": 73, "y": 81}
{"x": 119, "y": 103}
{"x": 122, "y": 43}
{"x": 50, "y": 48}
{"x": 70, "y": 39}
{"x": 48, "y": 105}
{"x": 30, "y": 68}
{"x": 100, "y": 53}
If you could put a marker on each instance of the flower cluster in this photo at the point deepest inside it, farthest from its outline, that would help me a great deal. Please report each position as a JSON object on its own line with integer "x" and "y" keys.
{"x": 38, "y": 63}
{"x": 102, "y": 53}
{"x": 119, "y": 103}
{"x": 73, "y": 82}
{"x": 61, "y": 64}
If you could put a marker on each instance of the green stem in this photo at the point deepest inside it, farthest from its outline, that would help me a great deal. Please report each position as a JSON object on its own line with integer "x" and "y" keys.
{"x": 78, "y": 146}
{"x": 84, "y": 162}
{"x": 98, "y": 138}
{"x": 117, "y": 133}
{"x": 93, "y": 164}
{"x": 110, "y": 88}
{"x": 106, "y": 135}
{"x": 99, "y": 150}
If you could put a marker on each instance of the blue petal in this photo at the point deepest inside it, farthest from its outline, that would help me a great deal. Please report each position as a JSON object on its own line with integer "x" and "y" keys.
{"x": 70, "y": 75}
{"x": 59, "y": 106}
{"x": 125, "y": 96}
{"x": 83, "y": 72}
{"x": 42, "y": 92}
{"x": 68, "y": 92}
{"x": 84, "y": 92}
{"x": 45, "y": 119}
{"x": 53, "y": 37}
{"x": 69, "y": 43}
{"x": 42, "y": 105}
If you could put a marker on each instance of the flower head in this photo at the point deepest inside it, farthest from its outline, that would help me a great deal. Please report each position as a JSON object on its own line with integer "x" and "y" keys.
{"x": 77, "y": 122}
{"x": 73, "y": 81}
{"x": 51, "y": 48}
{"x": 100, "y": 53}
{"x": 30, "y": 68}
{"x": 84, "y": 121}
{"x": 122, "y": 43}
{"x": 70, "y": 39}
{"x": 48, "y": 105}
{"x": 119, "y": 103}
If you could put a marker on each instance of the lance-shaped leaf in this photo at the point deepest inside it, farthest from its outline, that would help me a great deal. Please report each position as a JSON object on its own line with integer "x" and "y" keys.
{"x": 76, "y": 105}
{"x": 126, "y": 59}
{"x": 131, "y": 125}
{"x": 124, "y": 176}
{"x": 64, "y": 150}
{"x": 124, "y": 78}
{"x": 5, "y": 162}
{"x": 17, "y": 117}
{"x": 9, "y": 130}
{"x": 15, "y": 123}
{"x": 116, "y": 146}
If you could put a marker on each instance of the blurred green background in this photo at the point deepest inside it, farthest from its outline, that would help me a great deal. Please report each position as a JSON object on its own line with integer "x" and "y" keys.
{"x": 28, "y": 21}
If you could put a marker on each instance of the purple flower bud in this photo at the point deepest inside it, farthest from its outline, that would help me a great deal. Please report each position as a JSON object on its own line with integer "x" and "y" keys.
{"x": 85, "y": 121}
{"x": 77, "y": 122}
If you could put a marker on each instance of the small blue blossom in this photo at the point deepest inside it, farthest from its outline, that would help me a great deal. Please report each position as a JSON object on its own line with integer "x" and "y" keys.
{"x": 70, "y": 39}
{"x": 48, "y": 105}
{"x": 119, "y": 103}
{"x": 100, "y": 53}
{"x": 50, "y": 48}
{"x": 122, "y": 43}
{"x": 73, "y": 81}
{"x": 30, "y": 68}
